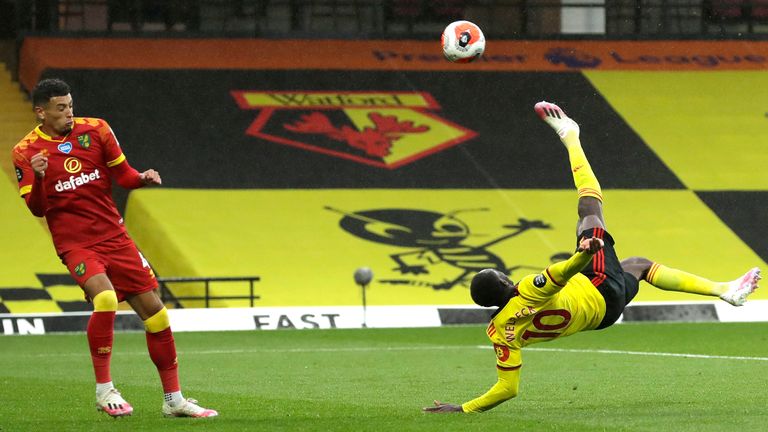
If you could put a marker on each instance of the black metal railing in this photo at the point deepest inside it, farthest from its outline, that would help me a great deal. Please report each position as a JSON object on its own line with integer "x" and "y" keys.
{"x": 169, "y": 297}
{"x": 392, "y": 18}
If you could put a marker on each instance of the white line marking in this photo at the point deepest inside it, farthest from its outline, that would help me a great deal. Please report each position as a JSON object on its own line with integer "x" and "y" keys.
{"x": 348, "y": 349}
{"x": 644, "y": 353}
{"x": 401, "y": 348}
{"x": 268, "y": 350}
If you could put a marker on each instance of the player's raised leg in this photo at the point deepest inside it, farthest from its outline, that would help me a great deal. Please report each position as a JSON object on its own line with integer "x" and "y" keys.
{"x": 734, "y": 292}
{"x": 590, "y": 195}
{"x": 162, "y": 351}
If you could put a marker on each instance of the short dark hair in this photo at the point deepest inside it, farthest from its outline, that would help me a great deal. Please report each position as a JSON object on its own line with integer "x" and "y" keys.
{"x": 48, "y": 88}
{"x": 487, "y": 288}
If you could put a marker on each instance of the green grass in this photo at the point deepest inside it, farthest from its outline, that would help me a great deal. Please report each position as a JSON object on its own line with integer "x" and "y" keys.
{"x": 379, "y": 379}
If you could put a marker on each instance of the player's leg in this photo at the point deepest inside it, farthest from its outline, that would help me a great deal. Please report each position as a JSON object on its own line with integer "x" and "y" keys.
{"x": 88, "y": 270}
{"x": 162, "y": 351}
{"x": 636, "y": 266}
{"x": 734, "y": 292}
{"x": 590, "y": 207}
{"x": 134, "y": 279}
{"x": 100, "y": 332}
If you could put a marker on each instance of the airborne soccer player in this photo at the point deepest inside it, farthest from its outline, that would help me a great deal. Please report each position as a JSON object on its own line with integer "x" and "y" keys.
{"x": 65, "y": 168}
{"x": 589, "y": 291}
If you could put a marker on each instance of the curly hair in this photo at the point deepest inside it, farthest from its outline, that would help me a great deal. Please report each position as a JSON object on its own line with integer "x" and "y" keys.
{"x": 48, "y": 88}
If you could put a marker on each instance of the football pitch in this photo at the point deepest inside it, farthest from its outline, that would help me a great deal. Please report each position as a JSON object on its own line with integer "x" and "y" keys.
{"x": 631, "y": 377}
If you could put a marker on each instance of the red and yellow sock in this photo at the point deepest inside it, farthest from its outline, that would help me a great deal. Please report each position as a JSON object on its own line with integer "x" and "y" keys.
{"x": 100, "y": 332}
{"x": 583, "y": 176}
{"x": 162, "y": 350}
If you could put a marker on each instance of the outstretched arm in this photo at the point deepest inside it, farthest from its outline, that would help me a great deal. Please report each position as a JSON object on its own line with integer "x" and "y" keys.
{"x": 504, "y": 389}
{"x": 560, "y": 272}
{"x": 127, "y": 177}
{"x": 121, "y": 170}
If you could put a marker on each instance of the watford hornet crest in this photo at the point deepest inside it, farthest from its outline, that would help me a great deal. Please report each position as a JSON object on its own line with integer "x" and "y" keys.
{"x": 383, "y": 129}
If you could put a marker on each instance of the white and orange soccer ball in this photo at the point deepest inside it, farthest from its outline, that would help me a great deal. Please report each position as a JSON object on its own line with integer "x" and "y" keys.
{"x": 463, "y": 42}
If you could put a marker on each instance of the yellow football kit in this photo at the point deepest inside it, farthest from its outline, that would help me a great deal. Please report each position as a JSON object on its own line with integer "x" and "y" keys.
{"x": 558, "y": 302}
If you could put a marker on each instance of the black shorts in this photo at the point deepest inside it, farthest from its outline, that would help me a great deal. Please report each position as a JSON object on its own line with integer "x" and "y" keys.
{"x": 617, "y": 287}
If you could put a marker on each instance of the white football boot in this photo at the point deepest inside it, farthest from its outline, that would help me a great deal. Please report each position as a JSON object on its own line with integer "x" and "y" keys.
{"x": 188, "y": 408}
{"x": 741, "y": 288}
{"x": 556, "y": 118}
{"x": 113, "y": 404}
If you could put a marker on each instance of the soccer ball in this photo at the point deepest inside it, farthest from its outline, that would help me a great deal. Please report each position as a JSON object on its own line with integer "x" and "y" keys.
{"x": 462, "y": 41}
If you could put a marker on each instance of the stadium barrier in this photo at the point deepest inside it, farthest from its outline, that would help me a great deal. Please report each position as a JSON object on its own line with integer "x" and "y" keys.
{"x": 167, "y": 296}
{"x": 347, "y": 317}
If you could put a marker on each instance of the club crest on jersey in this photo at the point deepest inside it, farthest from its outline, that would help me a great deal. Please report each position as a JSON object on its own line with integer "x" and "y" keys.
{"x": 19, "y": 173}
{"x": 84, "y": 141}
{"x": 539, "y": 281}
{"x": 80, "y": 269}
{"x": 65, "y": 147}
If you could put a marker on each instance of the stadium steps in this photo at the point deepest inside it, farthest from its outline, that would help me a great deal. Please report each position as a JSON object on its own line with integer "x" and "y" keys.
{"x": 16, "y": 118}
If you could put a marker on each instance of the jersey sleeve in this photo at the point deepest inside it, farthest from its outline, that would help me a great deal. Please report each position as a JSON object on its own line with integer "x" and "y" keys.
{"x": 113, "y": 154}
{"x": 125, "y": 175}
{"x": 31, "y": 187}
{"x": 24, "y": 173}
{"x": 538, "y": 288}
{"x": 553, "y": 278}
{"x": 508, "y": 363}
{"x": 559, "y": 273}
{"x": 507, "y": 358}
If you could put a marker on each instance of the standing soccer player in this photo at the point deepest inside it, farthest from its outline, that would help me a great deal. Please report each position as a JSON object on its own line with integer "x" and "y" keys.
{"x": 589, "y": 291}
{"x": 65, "y": 168}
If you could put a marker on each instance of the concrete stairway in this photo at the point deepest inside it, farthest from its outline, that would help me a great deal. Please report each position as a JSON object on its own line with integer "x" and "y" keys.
{"x": 16, "y": 119}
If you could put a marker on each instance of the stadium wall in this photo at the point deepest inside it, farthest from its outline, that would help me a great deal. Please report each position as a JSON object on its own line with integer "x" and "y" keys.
{"x": 674, "y": 130}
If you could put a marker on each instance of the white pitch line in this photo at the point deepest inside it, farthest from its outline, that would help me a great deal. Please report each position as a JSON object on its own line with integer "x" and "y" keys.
{"x": 403, "y": 348}
{"x": 648, "y": 353}
{"x": 266, "y": 351}
{"x": 348, "y": 349}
